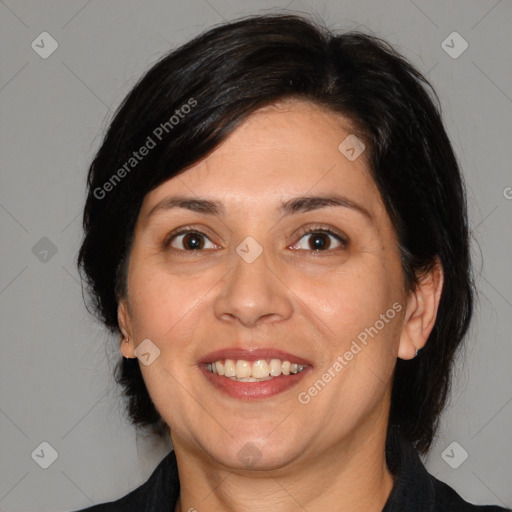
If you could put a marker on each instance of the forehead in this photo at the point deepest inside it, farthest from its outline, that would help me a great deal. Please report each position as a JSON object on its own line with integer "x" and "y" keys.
{"x": 280, "y": 151}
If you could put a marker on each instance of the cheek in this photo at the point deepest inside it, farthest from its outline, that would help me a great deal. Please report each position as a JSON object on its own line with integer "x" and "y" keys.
{"x": 350, "y": 299}
{"x": 358, "y": 308}
{"x": 161, "y": 302}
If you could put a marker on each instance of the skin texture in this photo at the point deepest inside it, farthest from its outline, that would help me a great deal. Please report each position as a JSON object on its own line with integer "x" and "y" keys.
{"x": 327, "y": 454}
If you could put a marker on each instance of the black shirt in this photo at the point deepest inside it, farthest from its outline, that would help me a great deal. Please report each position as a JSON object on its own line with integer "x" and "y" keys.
{"x": 414, "y": 490}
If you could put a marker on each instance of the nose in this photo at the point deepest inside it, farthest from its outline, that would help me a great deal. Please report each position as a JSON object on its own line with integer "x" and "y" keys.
{"x": 253, "y": 293}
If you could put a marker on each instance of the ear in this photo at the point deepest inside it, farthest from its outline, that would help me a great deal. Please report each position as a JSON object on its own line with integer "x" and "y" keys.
{"x": 123, "y": 318}
{"x": 421, "y": 312}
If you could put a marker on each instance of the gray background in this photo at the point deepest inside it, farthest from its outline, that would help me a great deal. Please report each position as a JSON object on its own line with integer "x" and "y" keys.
{"x": 55, "y": 364}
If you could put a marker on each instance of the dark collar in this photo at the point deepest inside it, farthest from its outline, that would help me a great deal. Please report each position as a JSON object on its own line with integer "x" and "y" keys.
{"x": 414, "y": 489}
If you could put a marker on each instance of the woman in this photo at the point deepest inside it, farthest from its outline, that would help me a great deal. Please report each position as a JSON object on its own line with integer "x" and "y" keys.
{"x": 276, "y": 226}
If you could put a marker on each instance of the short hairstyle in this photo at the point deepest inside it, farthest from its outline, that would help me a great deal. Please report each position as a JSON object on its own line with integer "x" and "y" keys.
{"x": 197, "y": 95}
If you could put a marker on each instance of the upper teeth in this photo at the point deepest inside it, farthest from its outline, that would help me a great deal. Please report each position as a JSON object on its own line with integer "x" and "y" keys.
{"x": 260, "y": 370}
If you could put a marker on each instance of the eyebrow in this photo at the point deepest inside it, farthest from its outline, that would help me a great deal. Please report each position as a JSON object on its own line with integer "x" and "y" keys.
{"x": 295, "y": 205}
{"x": 311, "y": 203}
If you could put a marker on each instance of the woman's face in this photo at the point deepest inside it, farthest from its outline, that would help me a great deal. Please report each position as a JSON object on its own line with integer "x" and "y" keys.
{"x": 289, "y": 260}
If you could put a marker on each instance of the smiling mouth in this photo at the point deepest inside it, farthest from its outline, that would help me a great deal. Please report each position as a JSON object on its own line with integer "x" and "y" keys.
{"x": 253, "y": 371}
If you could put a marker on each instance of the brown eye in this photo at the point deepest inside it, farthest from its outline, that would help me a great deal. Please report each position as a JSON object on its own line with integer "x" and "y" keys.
{"x": 190, "y": 241}
{"x": 320, "y": 240}
{"x": 193, "y": 241}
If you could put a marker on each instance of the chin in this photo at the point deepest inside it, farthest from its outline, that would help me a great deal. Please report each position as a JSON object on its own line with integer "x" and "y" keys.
{"x": 255, "y": 453}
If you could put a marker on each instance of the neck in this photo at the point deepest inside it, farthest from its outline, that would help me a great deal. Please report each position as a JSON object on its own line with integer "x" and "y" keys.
{"x": 351, "y": 476}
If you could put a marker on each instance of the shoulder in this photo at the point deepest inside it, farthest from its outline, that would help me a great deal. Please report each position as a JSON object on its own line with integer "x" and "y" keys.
{"x": 448, "y": 500}
{"x": 415, "y": 488}
{"x": 155, "y": 495}
{"x": 134, "y": 501}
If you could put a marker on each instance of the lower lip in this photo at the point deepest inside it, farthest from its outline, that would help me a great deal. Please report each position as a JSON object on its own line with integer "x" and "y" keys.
{"x": 254, "y": 390}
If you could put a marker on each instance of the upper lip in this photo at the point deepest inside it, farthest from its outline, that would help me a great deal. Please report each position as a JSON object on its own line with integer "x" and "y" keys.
{"x": 251, "y": 354}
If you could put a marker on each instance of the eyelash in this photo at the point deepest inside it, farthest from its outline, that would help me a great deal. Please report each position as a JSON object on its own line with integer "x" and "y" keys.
{"x": 308, "y": 231}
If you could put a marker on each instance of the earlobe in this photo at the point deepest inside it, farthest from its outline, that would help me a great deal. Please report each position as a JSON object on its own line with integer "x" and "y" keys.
{"x": 126, "y": 343}
{"x": 421, "y": 312}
